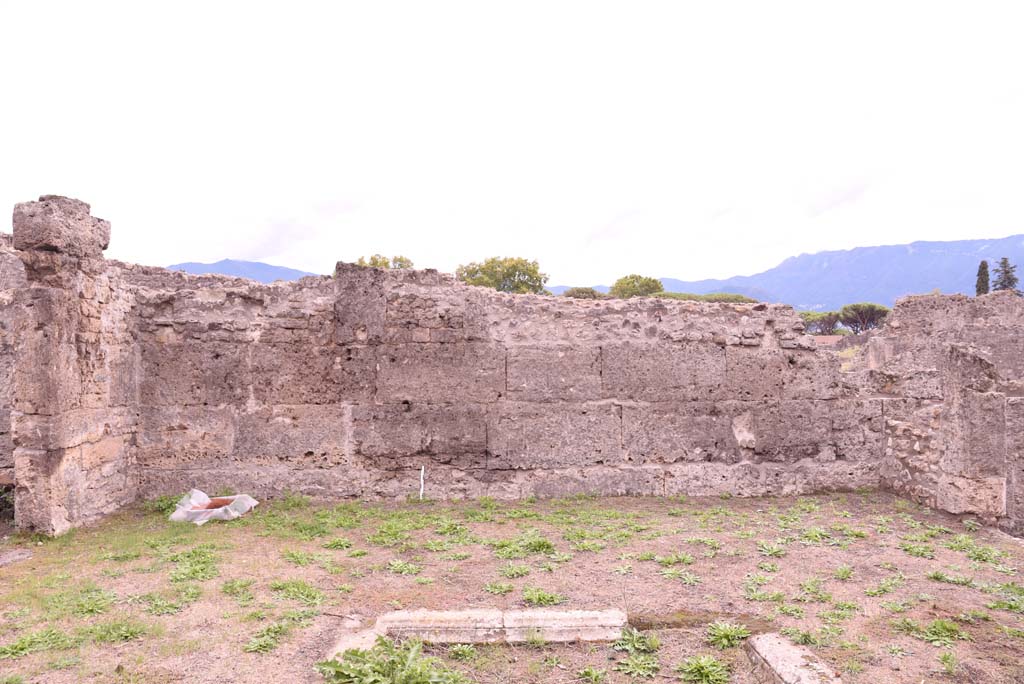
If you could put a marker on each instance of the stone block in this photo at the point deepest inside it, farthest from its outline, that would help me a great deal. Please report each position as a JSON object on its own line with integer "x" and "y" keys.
{"x": 472, "y": 626}
{"x": 309, "y": 374}
{"x": 194, "y": 373}
{"x": 663, "y": 372}
{"x": 359, "y": 304}
{"x": 857, "y": 429}
{"x": 777, "y": 660}
{"x": 60, "y": 224}
{"x": 529, "y": 436}
{"x": 554, "y": 373}
{"x": 186, "y": 436}
{"x": 72, "y": 428}
{"x": 304, "y": 436}
{"x": 599, "y": 480}
{"x": 395, "y": 436}
{"x": 788, "y": 430}
{"x": 984, "y": 496}
{"x": 426, "y": 314}
{"x": 669, "y": 432}
{"x": 461, "y": 371}
{"x": 1015, "y": 464}
{"x": 561, "y": 626}
{"x": 984, "y": 434}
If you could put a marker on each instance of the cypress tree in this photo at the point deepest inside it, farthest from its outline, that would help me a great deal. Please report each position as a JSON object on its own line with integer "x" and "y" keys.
{"x": 1006, "y": 276}
{"x": 981, "y": 285}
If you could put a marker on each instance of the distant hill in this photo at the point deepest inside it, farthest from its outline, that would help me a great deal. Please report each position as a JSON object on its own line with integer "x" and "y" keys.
{"x": 827, "y": 280}
{"x": 254, "y": 270}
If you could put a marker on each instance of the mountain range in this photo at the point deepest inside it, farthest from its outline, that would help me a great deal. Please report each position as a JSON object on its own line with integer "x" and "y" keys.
{"x": 253, "y": 270}
{"x": 813, "y": 282}
{"x": 828, "y": 280}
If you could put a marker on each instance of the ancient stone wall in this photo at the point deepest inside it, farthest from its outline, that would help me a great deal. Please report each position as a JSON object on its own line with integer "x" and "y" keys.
{"x": 73, "y": 380}
{"x": 351, "y": 385}
{"x": 126, "y": 381}
{"x": 950, "y": 370}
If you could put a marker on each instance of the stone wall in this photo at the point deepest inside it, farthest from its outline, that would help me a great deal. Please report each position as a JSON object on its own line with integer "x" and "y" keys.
{"x": 126, "y": 382}
{"x": 951, "y": 371}
{"x": 350, "y": 385}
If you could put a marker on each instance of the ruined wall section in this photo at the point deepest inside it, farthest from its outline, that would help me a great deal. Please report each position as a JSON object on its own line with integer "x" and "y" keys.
{"x": 949, "y": 371}
{"x": 73, "y": 381}
{"x": 348, "y": 386}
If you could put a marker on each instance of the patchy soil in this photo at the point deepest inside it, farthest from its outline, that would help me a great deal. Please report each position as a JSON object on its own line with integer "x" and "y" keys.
{"x": 880, "y": 588}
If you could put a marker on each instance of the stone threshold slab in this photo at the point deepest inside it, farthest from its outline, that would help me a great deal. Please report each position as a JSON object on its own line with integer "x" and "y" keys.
{"x": 484, "y": 626}
{"x": 777, "y": 660}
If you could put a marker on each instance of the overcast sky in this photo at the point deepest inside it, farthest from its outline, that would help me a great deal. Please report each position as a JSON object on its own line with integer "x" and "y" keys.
{"x": 677, "y": 139}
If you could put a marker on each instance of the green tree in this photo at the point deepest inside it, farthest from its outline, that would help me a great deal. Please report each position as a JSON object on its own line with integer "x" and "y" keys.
{"x": 1006, "y": 276}
{"x": 635, "y": 286}
{"x": 582, "y": 293}
{"x": 981, "y": 284}
{"x": 820, "y": 322}
{"x": 381, "y": 261}
{"x": 863, "y": 316}
{"x": 506, "y": 274}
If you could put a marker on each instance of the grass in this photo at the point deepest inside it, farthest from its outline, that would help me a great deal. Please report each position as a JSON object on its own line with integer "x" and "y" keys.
{"x": 240, "y": 590}
{"x": 534, "y": 596}
{"x": 499, "y": 588}
{"x": 513, "y": 571}
{"x": 141, "y": 573}
{"x": 635, "y": 641}
{"x": 725, "y": 635}
{"x": 703, "y": 669}
{"x": 639, "y": 665}
{"x": 116, "y": 632}
{"x": 48, "y": 639}
{"x": 386, "y": 662}
{"x": 195, "y": 565}
{"x": 401, "y": 567}
{"x": 269, "y": 638}
{"x": 298, "y": 590}
{"x": 591, "y": 675}
{"x": 463, "y": 652}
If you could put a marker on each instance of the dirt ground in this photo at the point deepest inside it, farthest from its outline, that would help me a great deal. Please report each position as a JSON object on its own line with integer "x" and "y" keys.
{"x": 882, "y": 589}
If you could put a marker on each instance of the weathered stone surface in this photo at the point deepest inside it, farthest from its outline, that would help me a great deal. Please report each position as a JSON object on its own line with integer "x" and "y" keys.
{"x": 59, "y": 224}
{"x": 405, "y": 435}
{"x": 527, "y": 435}
{"x": 664, "y": 372}
{"x": 563, "y": 625}
{"x": 474, "y": 626}
{"x": 300, "y": 374}
{"x": 554, "y": 373}
{"x": 776, "y": 660}
{"x": 461, "y": 371}
{"x": 483, "y": 626}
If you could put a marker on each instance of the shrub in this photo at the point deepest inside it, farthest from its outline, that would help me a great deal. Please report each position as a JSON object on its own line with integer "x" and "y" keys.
{"x": 582, "y": 293}
{"x": 635, "y": 286}
{"x": 505, "y": 274}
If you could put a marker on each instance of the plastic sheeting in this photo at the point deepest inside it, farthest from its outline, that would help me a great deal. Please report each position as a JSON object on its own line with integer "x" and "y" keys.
{"x": 196, "y": 507}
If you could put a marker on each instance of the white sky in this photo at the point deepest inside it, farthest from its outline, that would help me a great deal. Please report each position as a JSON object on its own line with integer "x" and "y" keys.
{"x": 677, "y": 139}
